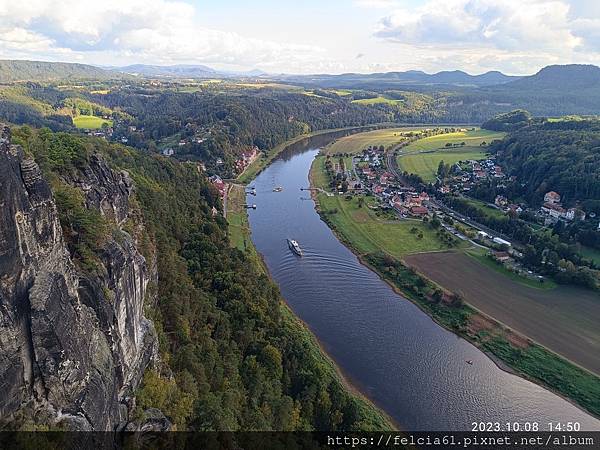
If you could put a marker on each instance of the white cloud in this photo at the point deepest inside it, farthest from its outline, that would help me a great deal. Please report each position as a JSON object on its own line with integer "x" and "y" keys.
{"x": 117, "y": 31}
{"x": 502, "y": 24}
{"x": 509, "y": 31}
{"x": 516, "y": 36}
{"x": 376, "y": 3}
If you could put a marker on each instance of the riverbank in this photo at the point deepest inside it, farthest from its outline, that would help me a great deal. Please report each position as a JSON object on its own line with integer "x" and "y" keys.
{"x": 260, "y": 163}
{"x": 373, "y": 419}
{"x": 523, "y": 356}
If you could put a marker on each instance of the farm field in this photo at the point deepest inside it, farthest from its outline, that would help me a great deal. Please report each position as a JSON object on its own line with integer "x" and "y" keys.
{"x": 377, "y": 100}
{"x": 481, "y": 256}
{"x": 367, "y": 232}
{"x": 357, "y": 142}
{"x": 341, "y": 92}
{"x": 563, "y": 319}
{"x": 426, "y": 164}
{"x": 423, "y": 156}
{"x": 90, "y": 122}
{"x": 471, "y": 138}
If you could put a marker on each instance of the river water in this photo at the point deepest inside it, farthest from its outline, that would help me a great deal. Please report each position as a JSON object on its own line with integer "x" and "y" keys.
{"x": 389, "y": 349}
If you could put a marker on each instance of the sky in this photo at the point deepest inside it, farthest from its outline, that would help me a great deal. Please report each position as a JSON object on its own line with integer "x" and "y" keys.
{"x": 306, "y": 36}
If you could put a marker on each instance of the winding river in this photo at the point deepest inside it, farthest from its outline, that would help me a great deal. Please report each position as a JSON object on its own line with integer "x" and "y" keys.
{"x": 385, "y": 346}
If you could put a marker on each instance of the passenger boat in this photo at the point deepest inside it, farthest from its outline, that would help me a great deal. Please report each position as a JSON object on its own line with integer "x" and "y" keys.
{"x": 295, "y": 247}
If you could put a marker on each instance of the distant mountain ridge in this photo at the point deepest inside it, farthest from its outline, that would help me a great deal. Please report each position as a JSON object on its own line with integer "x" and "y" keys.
{"x": 407, "y": 79}
{"x": 564, "y": 79}
{"x": 560, "y": 77}
{"x": 184, "y": 71}
{"x": 175, "y": 71}
{"x": 18, "y": 70}
{"x": 452, "y": 77}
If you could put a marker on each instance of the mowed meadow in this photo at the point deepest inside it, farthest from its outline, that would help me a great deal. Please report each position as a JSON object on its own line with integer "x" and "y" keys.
{"x": 91, "y": 122}
{"x": 356, "y": 143}
{"x": 422, "y": 157}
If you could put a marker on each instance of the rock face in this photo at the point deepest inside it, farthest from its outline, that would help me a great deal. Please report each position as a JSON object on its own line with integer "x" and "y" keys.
{"x": 72, "y": 347}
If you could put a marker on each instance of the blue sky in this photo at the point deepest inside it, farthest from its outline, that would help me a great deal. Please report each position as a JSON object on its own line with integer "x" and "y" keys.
{"x": 309, "y": 36}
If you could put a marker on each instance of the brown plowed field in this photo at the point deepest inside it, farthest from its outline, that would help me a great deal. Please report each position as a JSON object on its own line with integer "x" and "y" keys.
{"x": 565, "y": 320}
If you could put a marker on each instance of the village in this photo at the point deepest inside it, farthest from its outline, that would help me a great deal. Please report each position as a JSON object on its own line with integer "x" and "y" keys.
{"x": 368, "y": 175}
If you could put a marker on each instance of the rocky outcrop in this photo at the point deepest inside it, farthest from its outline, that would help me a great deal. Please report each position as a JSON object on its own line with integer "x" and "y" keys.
{"x": 73, "y": 347}
{"x": 105, "y": 189}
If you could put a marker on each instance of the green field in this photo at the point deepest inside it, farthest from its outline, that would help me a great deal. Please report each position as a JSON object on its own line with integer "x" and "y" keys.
{"x": 423, "y": 156}
{"x": 484, "y": 208}
{"x": 91, "y": 122}
{"x": 365, "y": 230}
{"x": 357, "y": 142}
{"x": 470, "y": 138}
{"x": 480, "y": 255}
{"x": 341, "y": 92}
{"x": 426, "y": 164}
{"x": 377, "y": 100}
{"x": 238, "y": 225}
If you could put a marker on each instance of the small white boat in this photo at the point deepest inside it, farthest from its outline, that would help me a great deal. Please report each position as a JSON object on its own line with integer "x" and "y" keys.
{"x": 278, "y": 189}
{"x": 295, "y": 247}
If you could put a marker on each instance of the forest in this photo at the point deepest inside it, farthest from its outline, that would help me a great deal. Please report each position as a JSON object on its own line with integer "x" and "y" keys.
{"x": 538, "y": 154}
{"x": 232, "y": 356}
{"x": 215, "y": 122}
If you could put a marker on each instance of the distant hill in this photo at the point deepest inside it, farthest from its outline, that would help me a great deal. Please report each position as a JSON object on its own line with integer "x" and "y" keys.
{"x": 455, "y": 77}
{"x": 184, "y": 71}
{"x": 406, "y": 79}
{"x": 17, "y": 70}
{"x": 176, "y": 71}
{"x": 561, "y": 78}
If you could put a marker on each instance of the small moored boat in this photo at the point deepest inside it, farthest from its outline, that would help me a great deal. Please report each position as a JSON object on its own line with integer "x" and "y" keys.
{"x": 278, "y": 189}
{"x": 295, "y": 247}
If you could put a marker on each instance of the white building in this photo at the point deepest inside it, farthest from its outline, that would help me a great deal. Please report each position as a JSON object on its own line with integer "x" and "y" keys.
{"x": 501, "y": 241}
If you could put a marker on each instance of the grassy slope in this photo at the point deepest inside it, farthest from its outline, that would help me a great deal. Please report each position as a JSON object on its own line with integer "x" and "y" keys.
{"x": 90, "y": 122}
{"x": 426, "y": 164}
{"x": 18, "y": 94}
{"x": 357, "y": 142}
{"x": 470, "y": 138}
{"x": 413, "y": 160}
{"x": 377, "y": 100}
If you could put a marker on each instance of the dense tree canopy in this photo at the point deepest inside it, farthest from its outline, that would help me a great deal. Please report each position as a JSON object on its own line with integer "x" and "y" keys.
{"x": 562, "y": 155}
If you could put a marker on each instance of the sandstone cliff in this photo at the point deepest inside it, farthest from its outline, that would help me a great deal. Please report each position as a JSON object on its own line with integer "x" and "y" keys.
{"x": 73, "y": 345}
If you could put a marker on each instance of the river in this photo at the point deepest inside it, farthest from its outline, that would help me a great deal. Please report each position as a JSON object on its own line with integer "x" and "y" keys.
{"x": 409, "y": 366}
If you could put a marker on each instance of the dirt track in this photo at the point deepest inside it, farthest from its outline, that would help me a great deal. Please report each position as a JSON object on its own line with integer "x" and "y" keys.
{"x": 565, "y": 319}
